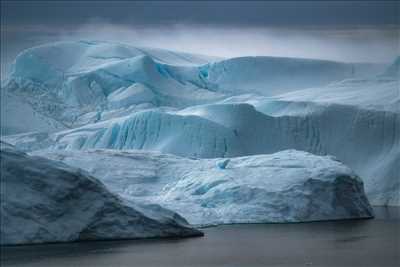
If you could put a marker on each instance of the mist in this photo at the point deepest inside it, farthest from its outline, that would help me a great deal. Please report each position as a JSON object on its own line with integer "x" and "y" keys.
{"x": 349, "y": 45}
{"x": 341, "y": 31}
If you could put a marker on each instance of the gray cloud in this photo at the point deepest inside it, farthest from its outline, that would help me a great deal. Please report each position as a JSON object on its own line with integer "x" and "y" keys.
{"x": 222, "y": 13}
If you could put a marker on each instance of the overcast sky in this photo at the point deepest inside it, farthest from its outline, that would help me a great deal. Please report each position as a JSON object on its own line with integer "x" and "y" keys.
{"x": 343, "y": 31}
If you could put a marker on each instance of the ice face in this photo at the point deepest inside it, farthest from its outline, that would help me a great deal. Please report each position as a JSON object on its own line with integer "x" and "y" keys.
{"x": 289, "y": 186}
{"x": 154, "y": 130}
{"x": 47, "y": 201}
{"x": 228, "y": 130}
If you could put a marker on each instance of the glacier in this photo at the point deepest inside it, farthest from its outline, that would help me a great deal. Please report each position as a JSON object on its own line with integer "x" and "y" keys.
{"x": 288, "y": 186}
{"x": 47, "y": 201}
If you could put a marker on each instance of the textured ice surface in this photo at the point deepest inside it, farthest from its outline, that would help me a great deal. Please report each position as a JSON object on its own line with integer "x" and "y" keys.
{"x": 47, "y": 201}
{"x": 367, "y": 140}
{"x": 289, "y": 186}
{"x": 74, "y": 83}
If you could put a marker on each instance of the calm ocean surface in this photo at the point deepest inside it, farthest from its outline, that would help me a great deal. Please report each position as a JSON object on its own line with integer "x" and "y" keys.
{"x": 374, "y": 242}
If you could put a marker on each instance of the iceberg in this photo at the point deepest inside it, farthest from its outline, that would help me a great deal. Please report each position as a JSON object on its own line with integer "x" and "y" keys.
{"x": 288, "y": 186}
{"x": 47, "y": 201}
{"x": 101, "y": 95}
{"x": 368, "y": 140}
{"x": 75, "y": 83}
